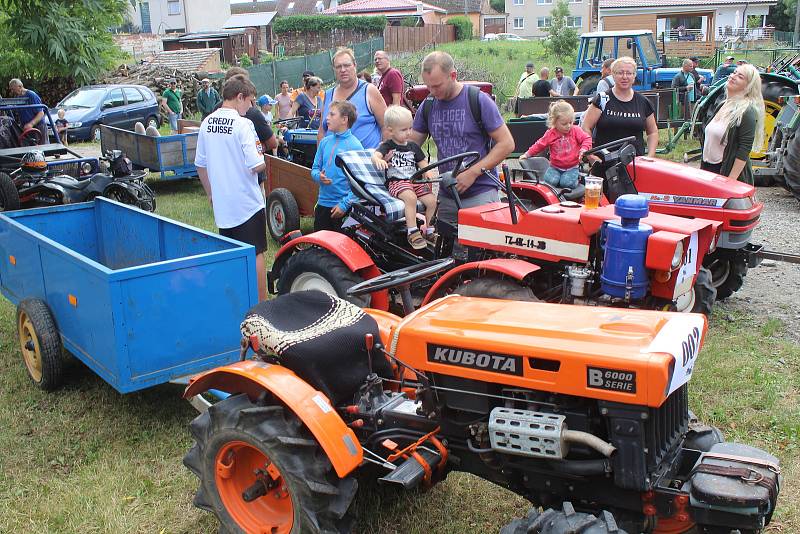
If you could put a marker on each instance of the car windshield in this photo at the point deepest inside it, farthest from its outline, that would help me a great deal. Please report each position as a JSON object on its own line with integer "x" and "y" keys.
{"x": 83, "y": 98}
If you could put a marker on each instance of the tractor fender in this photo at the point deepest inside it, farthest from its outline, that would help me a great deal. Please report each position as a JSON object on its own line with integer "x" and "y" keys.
{"x": 516, "y": 269}
{"x": 352, "y": 255}
{"x": 312, "y": 407}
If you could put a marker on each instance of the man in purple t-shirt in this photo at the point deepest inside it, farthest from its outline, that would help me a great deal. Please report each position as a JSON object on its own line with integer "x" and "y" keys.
{"x": 453, "y": 128}
{"x": 391, "y": 85}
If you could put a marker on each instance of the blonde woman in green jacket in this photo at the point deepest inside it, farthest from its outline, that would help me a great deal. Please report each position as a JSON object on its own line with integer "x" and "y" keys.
{"x": 737, "y": 127}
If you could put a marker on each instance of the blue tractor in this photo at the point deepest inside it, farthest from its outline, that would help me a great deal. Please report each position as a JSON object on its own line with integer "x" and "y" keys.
{"x": 596, "y": 47}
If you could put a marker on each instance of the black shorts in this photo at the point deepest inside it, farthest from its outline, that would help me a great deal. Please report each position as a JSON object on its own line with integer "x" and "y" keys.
{"x": 253, "y": 231}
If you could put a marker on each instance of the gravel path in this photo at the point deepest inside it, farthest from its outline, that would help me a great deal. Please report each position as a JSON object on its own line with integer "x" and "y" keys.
{"x": 772, "y": 289}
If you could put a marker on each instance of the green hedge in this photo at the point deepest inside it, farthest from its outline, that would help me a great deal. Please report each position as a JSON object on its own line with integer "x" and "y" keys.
{"x": 463, "y": 27}
{"x": 321, "y": 23}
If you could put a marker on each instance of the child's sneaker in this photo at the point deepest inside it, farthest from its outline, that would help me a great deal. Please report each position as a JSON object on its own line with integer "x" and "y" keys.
{"x": 416, "y": 240}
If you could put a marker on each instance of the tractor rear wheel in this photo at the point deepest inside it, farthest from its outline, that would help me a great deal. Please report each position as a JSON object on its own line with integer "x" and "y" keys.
{"x": 791, "y": 166}
{"x": 40, "y": 344}
{"x": 261, "y": 470}
{"x": 315, "y": 268}
{"x": 727, "y": 274}
{"x": 495, "y": 287}
{"x": 9, "y": 196}
{"x": 589, "y": 85}
{"x": 565, "y": 521}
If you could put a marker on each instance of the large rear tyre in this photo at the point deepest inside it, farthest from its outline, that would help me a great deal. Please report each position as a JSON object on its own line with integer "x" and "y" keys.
{"x": 791, "y": 166}
{"x": 727, "y": 274}
{"x": 315, "y": 268}
{"x": 566, "y": 521}
{"x": 283, "y": 215}
{"x": 40, "y": 344}
{"x": 495, "y": 287}
{"x": 9, "y": 196}
{"x": 261, "y": 470}
{"x": 589, "y": 85}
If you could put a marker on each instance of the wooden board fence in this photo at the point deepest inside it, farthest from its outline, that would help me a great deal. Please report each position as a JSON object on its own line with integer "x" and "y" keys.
{"x": 402, "y": 39}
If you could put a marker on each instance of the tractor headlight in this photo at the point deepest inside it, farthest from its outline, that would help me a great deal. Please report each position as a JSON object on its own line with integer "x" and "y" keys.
{"x": 678, "y": 256}
{"x": 86, "y": 167}
{"x": 74, "y": 124}
{"x": 739, "y": 203}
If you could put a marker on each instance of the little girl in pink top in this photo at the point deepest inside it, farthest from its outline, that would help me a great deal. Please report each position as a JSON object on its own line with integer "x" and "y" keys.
{"x": 567, "y": 143}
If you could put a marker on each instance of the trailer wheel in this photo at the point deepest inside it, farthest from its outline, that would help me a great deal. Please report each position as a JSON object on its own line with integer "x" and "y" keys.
{"x": 283, "y": 215}
{"x": 315, "y": 268}
{"x": 565, "y": 521}
{"x": 494, "y": 287}
{"x": 727, "y": 275}
{"x": 589, "y": 85}
{"x": 261, "y": 470}
{"x": 40, "y": 344}
{"x": 791, "y": 166}
{"x": 9, "y": 196}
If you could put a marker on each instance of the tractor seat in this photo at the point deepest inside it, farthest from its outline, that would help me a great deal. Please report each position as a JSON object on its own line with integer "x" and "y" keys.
{"x": 320, "y": 337}
{"x": 369, "y": 184}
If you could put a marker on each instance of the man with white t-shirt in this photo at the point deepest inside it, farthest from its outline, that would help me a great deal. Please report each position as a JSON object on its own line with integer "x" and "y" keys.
{"x": 228, "y": 160}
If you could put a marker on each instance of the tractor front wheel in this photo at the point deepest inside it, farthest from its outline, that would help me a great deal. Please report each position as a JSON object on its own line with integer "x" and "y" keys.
{"x": 9, "y": 196}
{"x": 261, "y": 470}
{"x": 317, "y": 269}
{"x": 495, "y": 287}
{"x": 727, "y": 274}
{"x": 564, "y": 521}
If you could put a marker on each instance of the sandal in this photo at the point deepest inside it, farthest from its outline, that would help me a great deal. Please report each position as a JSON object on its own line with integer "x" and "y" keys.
{"x": 416, "y": 240}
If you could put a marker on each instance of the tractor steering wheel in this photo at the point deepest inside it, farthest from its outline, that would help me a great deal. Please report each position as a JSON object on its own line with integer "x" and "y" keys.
{"x": 417, "y": 178}
{"x": 400, "y": 277}
{"x": 607, "y": 146}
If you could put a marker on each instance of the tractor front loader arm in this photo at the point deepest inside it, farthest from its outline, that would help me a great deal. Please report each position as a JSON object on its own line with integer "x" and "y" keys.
{"x": 311, "y": 406}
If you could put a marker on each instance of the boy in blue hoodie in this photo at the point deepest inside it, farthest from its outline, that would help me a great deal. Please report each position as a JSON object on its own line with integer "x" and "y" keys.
{"x": 334, "y": 189}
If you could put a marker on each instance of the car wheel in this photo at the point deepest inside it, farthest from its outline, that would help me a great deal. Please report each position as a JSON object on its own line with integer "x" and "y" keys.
{"x": 153, "y": 121}
{"x": 95, "y": 133}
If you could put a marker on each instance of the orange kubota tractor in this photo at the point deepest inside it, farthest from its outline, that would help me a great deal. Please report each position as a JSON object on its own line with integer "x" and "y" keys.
{"x": 584, "y": 411}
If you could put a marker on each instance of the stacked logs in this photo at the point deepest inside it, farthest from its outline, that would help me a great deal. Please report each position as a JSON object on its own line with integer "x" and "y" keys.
{"x": 157, "y": 78}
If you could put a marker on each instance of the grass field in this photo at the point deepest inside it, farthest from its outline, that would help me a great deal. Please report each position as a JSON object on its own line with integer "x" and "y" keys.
{"x": 86, "y": 459}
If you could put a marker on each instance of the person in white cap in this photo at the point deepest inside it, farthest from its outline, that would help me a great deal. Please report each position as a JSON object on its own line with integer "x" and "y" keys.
{"x": 207, "y": 98}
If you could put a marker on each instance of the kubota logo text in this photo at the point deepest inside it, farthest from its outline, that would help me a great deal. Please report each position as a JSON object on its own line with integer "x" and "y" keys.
{"x": 485, "y": 361}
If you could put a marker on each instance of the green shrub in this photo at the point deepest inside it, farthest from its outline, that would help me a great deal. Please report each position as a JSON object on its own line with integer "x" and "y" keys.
{"x": 463, "y": 27}
{"x": 322, "y": 23}
{"x": 409, "y": 22}
{"x": 245, "y": 61}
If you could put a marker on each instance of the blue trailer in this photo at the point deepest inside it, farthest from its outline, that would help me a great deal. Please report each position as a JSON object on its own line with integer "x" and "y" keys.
{"x": 140, "y": 299}
{"x": 170, "y": 155}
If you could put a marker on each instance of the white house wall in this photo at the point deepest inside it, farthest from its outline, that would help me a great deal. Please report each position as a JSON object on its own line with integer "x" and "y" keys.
{"x": 207, "y": 15}
{"x": 531, "y": 10}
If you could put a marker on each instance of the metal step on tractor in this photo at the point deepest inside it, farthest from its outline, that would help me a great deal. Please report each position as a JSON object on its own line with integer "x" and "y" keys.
{"x": 615, "y": 255}
{"x": 583, "y": 411}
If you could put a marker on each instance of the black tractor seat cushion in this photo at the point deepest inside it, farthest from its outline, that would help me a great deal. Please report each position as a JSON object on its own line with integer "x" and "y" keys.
{"x": 320, "y": 337}
{"x": 369, "y": 183}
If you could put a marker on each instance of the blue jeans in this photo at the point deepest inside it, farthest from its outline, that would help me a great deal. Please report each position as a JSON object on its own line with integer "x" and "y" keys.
{"x": 173, "y": 121}
{"x": 563, "y": 179}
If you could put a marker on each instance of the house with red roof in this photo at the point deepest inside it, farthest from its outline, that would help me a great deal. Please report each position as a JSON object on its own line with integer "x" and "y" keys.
{"x": 394, "y": 10}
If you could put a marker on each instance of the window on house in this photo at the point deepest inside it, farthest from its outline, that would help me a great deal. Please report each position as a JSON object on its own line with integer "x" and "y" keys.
{"x": 519, "y": 2}
{"x": 574, "y": 22}
{"x": 174, "y": 7}
{"x": 519, "y": 23}
{"x": 290, "y": 6}
{"x": 543, "y": 22}
{"x": 544, "y": 2}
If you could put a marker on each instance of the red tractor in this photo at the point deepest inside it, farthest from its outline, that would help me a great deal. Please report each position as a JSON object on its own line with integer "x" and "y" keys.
{"x": 614, "y": 255}
{"x": 584, "y": 411}
{"x": 673, "y": 189}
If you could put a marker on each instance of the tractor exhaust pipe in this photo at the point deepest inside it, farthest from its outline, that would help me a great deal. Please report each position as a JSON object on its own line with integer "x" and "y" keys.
{"x": 410, "y": 473}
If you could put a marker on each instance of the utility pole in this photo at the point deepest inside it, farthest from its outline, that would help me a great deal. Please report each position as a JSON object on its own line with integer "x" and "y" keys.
{"x": 796, "y": 23}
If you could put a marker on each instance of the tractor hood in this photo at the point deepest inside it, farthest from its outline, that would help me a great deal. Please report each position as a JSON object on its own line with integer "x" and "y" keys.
{"x": 623, "y": 355}
{"x": 698, "y": 187}
{"x": 665, "y": 75}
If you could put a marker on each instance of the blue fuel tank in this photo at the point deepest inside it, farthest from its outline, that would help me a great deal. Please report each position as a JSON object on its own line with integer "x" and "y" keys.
{"x": 624, "y": 272}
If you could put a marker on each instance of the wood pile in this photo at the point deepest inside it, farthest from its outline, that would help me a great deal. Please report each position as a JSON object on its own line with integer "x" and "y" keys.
{"x": 157, "y": 78}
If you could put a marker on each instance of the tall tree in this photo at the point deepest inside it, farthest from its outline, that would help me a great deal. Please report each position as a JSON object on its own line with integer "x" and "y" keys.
{"x": 60, "y": 38}
{"x": 562, "y": 40}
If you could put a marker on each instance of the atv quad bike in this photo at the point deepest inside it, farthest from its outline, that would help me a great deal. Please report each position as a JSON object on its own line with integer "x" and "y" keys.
{"x": 678, "y": 190}
{"x": 35, "y": 184}
{"x": 557, "y": 253}
{"x": 583, "y": 411}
